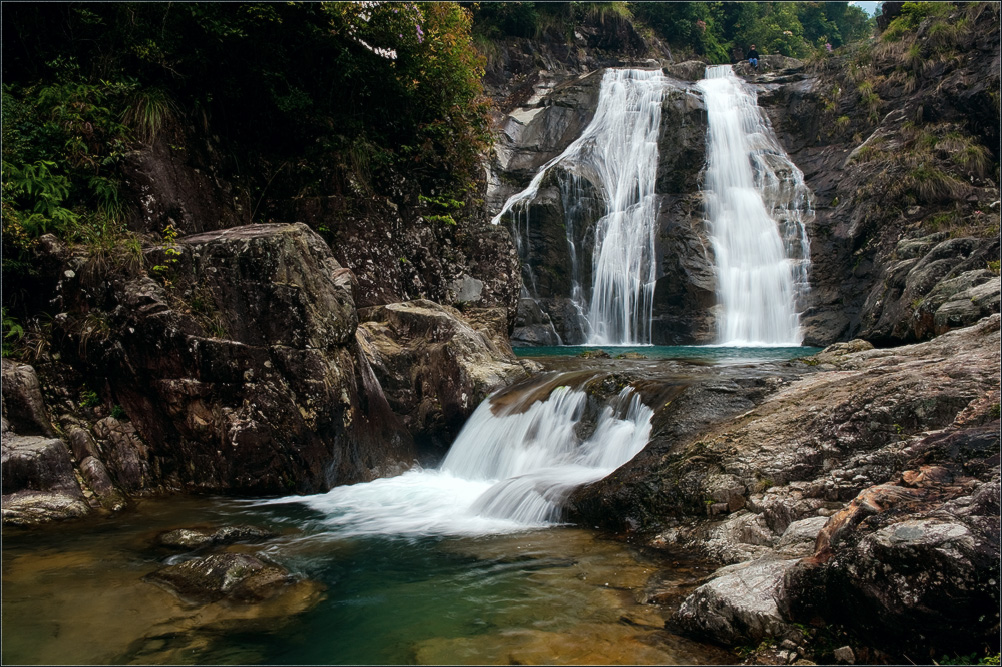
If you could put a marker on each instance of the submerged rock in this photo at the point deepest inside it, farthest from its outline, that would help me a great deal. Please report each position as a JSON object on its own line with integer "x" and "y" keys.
{"x": 191, "y": 538}
{"x": 238, "y": 577}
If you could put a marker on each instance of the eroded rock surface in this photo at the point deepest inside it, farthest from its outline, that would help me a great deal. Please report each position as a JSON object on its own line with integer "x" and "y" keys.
{"x": 433, "y": 366}
{"x": 877, "y": 469}
{"x": 235, "y": 576}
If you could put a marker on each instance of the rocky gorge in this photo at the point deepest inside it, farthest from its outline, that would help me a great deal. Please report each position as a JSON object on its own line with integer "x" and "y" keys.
{"x": 845, "y": 501}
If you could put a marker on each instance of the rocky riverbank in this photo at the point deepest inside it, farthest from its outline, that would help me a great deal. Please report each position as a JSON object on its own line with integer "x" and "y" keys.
{"x": 859, "y": 498}
{"x": 245, "y": 371}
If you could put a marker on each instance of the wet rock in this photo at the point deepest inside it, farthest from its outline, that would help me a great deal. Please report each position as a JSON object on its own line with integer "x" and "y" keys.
{"x": 237, "y": 577}
{"x": 33, "y": 508}
{"x": 432, "y": 365}
{"x": 739, "y": 604}
{"x": 96, "y": 476}
{"x": 192, "y": 538}
{"x": 690, "y": 70}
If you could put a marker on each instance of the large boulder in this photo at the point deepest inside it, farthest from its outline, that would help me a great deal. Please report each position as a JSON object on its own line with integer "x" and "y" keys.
{"x": 879, "y": 468}
{"x": 738, "y": 605}
{"x": 24, "y": 408}
{"x": 433, "y": 366}
{"x": 240, "y": 371}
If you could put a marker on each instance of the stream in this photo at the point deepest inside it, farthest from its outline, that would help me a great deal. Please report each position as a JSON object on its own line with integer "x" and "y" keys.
{"x": 436, "y": 566}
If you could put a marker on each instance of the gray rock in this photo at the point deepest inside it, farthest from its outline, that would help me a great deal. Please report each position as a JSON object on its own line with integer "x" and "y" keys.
{"x": 845, "y": 655}
{"x": 39, "y": 464}
{"x": 801, "y": 535}
{"x": 690, "y": 70}
{"x": 96, "y": 477}
{"x": 432, "y": 365}
{"x": 23, "y": 406}
{"x": 33, "y": 508}
{"x": 192, "y": 538}
{"x": 238, "y": 577}
{"x": 738, "y": 605}
{"x": 467, "y": 289}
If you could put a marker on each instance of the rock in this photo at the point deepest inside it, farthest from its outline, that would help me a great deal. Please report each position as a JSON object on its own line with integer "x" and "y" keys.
{"x": 193, "y": 538}
{"x": 466, "y": 289}
{"x": 845, "y": 655}
{"x": 433, "y": 367}
{"x": 800, "y": 536}
{"x": 23, "y": 406}
{"x": 244, "y": 375}
{"x": 738, "y": 605}
{"x": 126, "y": 454}
{"x": 39, "y": 464}
{"x": 966, "y": 307}
{"x": 33, "y": 508}
{"x": 81, "y": 443}
{"x": 834, "y": 352}
{"x": 238, "y": 577}
{"x": 690, "y": 70}
{"x": 96, "y": 476}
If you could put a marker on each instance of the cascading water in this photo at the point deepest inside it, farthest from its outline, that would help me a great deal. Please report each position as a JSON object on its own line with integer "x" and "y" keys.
{"x": 618, "y": 154}
{"x": 511, "y": 468}
{"x": 756, "y": 203}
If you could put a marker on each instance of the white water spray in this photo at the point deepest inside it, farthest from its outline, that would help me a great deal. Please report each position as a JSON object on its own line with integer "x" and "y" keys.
{"x": 618, "y": 154}
{"x": 756, "y": 202}
{"x": 506, "y": 472}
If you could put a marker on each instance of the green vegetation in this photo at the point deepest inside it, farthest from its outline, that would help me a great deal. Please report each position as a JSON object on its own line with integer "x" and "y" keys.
{"x": 719, "y": 32}
{"x": 332, "y": 100}
{"x": 89, "y": 398}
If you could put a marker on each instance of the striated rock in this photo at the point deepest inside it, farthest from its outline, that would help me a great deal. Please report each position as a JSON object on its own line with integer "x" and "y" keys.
{"x": 33, "y": 508}
{"x": 126, "y": 455}
{"x": 738, "y": 605}
{"x": 829, "y": 464}
{"x": 39, "y": 464}
{"x": 96, "y": 477}
{"x": 192, "y": 538}
{"x": 23, "y": 407}
{"x": 237, "y": 577}
{"x": 433, "y": 366}
{"x": 244, "y": 374}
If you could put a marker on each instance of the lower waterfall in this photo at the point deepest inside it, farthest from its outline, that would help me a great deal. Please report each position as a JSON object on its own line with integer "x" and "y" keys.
{"x": 511, "y": 468}
{"x": 756, "y": 203}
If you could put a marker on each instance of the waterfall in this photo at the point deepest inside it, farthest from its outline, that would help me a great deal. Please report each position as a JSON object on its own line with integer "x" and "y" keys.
{"x": 617, "y": 154}
{"x": 511, "y": 468}
{"x": 756, "y": 202}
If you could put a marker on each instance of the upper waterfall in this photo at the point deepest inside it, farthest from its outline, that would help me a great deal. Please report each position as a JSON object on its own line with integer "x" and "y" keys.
{"x": 756, "y": 202}
{"x": 618, "y": 155}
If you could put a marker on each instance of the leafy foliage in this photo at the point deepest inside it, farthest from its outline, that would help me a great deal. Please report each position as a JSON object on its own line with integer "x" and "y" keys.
{"x": 334, "y": 99}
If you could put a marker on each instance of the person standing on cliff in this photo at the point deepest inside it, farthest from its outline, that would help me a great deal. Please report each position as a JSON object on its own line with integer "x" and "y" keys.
{"x": 753, "y": 57}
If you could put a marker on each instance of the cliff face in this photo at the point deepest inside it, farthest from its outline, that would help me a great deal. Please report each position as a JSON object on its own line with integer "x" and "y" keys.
{"x": 899, "y": 143}
{"x": 900, "y": 152}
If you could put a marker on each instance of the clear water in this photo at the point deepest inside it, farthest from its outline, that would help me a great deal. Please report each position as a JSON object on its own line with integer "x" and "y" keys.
{"x": 717, "y": 354}
{"x": 756, "y": 206}
{"x": 618, "y": 155}
{"x": 74, "y": 594}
